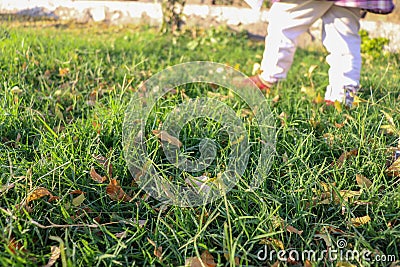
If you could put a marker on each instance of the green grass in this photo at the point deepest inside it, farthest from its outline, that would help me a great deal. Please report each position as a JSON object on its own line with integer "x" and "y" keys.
{"x": 52, "y": 126}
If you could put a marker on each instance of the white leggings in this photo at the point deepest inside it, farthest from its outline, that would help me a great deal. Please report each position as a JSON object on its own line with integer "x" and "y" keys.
{"x": 340, "y": 37}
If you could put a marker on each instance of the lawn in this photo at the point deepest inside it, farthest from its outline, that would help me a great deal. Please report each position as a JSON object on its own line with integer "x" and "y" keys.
{"x": 64, "y": 90}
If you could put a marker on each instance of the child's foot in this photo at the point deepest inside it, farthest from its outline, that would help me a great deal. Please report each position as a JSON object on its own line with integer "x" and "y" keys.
{"x": 350, "y": 92}
{"x": 256, "y": 80}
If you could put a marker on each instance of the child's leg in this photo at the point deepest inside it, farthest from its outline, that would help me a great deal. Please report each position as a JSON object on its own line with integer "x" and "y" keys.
{"x": 341, "y": 39}
{"x": 288, "y": 19}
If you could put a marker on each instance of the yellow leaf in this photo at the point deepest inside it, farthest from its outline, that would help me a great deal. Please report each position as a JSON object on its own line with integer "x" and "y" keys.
{"x": 389, "y": 118}
{"x": 363, "y": 181}
{"x": 256, "y": 69}
{"x": 360, "y": 220}
{"x": 389, "y": 129}
{"x": 311, "y": 69}
{"x": 276, "y": 99}
{"x": 77, "y": 201}
{"x": 276, "y": 243}
{"x": 356, "y": 101}
{"x": 55, "y": 254}
{"x": 338, "y": 106}
{"x": 38, "y": 193}
{"x": 309, "y": 91}
{"x": 16, "y": 90}
{"x": 318, "y": 99}
{"x": 63, "y": 71}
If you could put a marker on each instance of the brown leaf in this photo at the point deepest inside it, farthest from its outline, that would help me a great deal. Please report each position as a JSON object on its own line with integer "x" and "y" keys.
{"x": 157, "y": 250}
{"x": 394, "y": 169}
{"x": 76, "y": 192}
{"x": 360, "y": 220}
{"x": 291, "y": 229}
{"x": 97, "y": 177}
{"x": 121, "y": 235}
{"x": 166, "y": 137}
{"x": 276, "y": 264}
{"x": 206, "y": 259}
{"x": 6, "y": 187}
{"x": 115, "y": 192}
{"x": 105, "y": 162}
{"x": 345, "y": 155}
{"x": 15, "y": 245}
{"x": 340, "y": 125}
{"x": 53, "y": 198}
{"x": 55, "y": 254}
{"x": 363, "y": 181}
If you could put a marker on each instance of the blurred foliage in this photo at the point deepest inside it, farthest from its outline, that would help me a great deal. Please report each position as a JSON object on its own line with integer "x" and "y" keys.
{"x": 372, "y": 46}
{"x": 172, "y": 15}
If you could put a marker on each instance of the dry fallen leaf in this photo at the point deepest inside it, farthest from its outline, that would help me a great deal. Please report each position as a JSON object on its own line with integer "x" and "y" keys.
{"x": 363, "y": 181}
{"x": 105, "y": 162}
{"x": 115, "y": 192}
{"x": 360, "y": 220}
{"x": 63, "y": 71}
{"x": 157, "y": 250}
{"x": 325, "y": 237}
{"x": 166, "y": 137}
{"x": 338, "y": 106}
{"x": 276, "y": 264}
{"x": 200, "y": 184}
{"x": 318, "y": 99}
{"x": 394, "y": 169}
{"x": 77, "y": 201}
{"x": 97, "y": 177}
{"x": 345, "y": 155}
{"x": 276, "y": 243}
{"x": 15, "y": 245}
{"x": 37, "y": 194}
{"x": 345, "y": 264}
{"x": 291, "y": 229}
{"x": 276, "y": 99}
{"x": 256, "y": 69}
{"x": 121, "y": 235}
{"x": 206, "y": 259}
{"x": 55, "y": 254}
{"x": 76, "y": 192}
{"x": 6, "y": 187}
{"x": 307, "y": 263}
